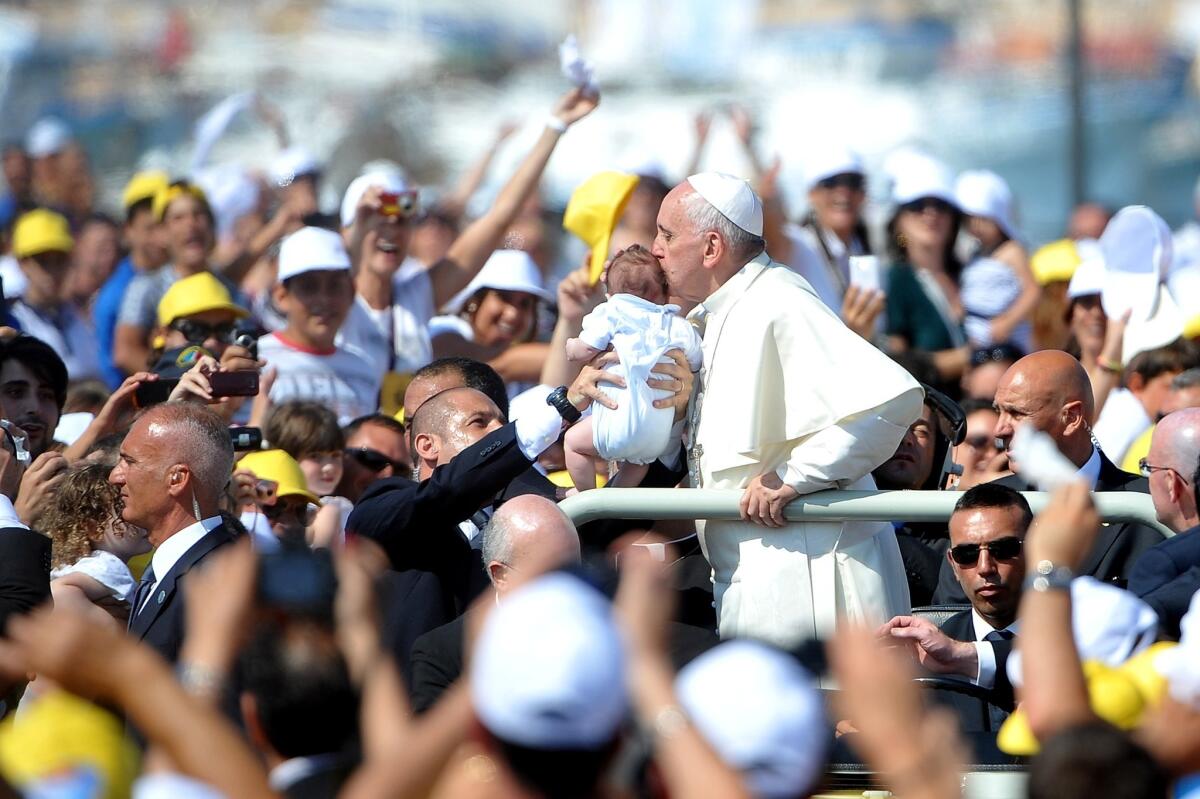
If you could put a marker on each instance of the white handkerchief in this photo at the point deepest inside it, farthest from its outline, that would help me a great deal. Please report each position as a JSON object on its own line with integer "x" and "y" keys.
{"x": 1038, "y": 460}
{"x": 574, "y": 67}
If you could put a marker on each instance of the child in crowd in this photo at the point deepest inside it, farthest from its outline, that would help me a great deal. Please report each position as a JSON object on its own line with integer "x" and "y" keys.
{"x": 309, "y": 432}
{"x": 314, "y": 290}
{"x": 90, "y": 544}
{"x": 641, "y": 328}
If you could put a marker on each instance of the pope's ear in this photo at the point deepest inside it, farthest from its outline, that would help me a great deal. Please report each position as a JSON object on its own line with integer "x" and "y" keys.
{"x": 714, "y": 249}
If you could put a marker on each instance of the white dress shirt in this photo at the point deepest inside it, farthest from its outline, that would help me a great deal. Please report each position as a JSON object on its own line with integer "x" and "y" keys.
{"x": 985, "y": 676}
{"x": 8, "y": 514}
{"x": 1090, "y": 471}
{"x": 170, "y": 551}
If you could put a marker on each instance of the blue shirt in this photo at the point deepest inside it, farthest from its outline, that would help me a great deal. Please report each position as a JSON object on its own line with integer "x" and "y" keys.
{"x": 104, "y": 318}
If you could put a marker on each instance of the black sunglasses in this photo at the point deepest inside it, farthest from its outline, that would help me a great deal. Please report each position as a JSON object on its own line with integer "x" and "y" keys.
{"x": 921, "y": 204}
{"x": 997, "y": 354}
{"x": 1000, "y": 549}
{"x": 375, "y": 460}
{"x": 846, "y": 180}
{"x": 200, "y": 332}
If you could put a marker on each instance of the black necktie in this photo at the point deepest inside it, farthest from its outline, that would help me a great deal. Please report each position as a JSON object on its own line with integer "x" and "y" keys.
{"x": 144, "y": 586}
{"x": 996, "y": 716}
{"x": 999, "y": 635}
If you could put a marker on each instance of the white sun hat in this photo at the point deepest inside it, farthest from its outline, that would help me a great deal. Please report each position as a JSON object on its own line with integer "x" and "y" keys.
{"x": 986, "y": 194}
{"x": 505, "y": 270}
{"x": 1137, "y": 257}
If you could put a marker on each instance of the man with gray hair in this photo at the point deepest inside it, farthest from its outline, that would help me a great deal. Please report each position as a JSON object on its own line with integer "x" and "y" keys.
{"x": 789, "y": 401}
{"x": 1168, "y": 573}
{"x": 172, "y": 470}
{"x": 527, "y": 534}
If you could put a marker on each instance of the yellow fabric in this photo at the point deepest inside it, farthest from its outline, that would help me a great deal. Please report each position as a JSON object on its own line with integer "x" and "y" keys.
{"x": 63, "y": 745}
{"x": 1121, "y": 696}
{"x": 139, "y": 564}
{"x": 40, "y": 231}
{"x": 282, "y": 468}
{"x": 144, "y": 186}
{"x": 562, "y": 479}
{"x": 1139, "y": 449}
{"x": 196, "y": 294}
{"x": 1191, "y": 329}
{"x": 166, "y": 194}
{"x": 594, "y": 210}
{"x": 1055, "y": 262}
{"x": 391, "y": 394}
{"x": 399, "y": 415}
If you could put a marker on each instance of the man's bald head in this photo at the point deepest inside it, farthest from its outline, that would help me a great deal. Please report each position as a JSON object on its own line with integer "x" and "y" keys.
{"x": 528, "y": 535}
{"x": 1051, "y": 390}
{"x": 1174, "y": 459}
{"x": 449, "y": 422}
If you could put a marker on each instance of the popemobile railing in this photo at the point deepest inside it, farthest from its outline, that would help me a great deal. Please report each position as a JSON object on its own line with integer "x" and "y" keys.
{"x": 826, "y": 506}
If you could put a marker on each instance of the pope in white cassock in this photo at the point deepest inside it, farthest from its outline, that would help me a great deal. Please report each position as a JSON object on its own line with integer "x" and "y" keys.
{"x": 789, "y": 401}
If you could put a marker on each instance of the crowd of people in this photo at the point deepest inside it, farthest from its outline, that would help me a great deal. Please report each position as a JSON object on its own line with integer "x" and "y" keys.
{"x": 280, "y": 484}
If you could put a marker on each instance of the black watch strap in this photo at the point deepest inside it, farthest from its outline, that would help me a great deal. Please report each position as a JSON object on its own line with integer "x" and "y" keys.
{"x": 558, "y": 398}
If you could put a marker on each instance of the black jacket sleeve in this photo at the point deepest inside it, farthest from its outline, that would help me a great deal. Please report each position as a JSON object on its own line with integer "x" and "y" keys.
{"x": 24, "y": 572}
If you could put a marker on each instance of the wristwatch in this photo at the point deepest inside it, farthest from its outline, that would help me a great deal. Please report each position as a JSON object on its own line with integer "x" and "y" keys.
{"x": 558, "y": 398}
{"x": 1048, "y": 577}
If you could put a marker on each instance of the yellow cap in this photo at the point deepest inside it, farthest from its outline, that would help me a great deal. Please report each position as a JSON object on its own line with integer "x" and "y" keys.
{"x": 63, "y": 741}
{"x": 1139, "y": 449}
{"x": 1121, "y": 696}
{"x": 196, "y": 294}
{"x": 399, "y": 415}
{"x": 144, "y": 186}
{"x": 1055, "y": 262}
{"x": 277, "y": 465}
{"x": 41, "y": 230}
{"x": 594, "y": 210}
{"x": 166, "y": 194}
{"x": 1191, "y": 328}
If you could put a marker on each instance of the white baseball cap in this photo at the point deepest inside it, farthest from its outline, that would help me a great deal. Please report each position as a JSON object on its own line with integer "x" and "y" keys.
{"x": 1181, "y": 664}
{"x": 1137, "y": 256}
{"x": 48, "y": 136}
{"x": 985, "y": 194}
{"x": 826, "y": 161}
{"x": 733, "y": 197}
{"x": 389, "y": 180}
{"x": 917, "y": 176}
{"x": 760, "y": 711}
{"x": 294, "y": 162}
{"x": 312, "y": 249}
{"x": 505, "y": 270}
{"x": 1088, "y": 277}
{"x": 548, "y": 670}
{"x": 1110, "y": 625}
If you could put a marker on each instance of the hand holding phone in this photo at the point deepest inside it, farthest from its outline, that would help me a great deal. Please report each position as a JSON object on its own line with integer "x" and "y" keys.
{"x": 864, "y": 272}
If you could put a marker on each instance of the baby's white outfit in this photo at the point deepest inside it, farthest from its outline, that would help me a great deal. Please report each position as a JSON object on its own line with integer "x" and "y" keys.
{"x": 640, "y": 332}
{"x": 106, "y": 569}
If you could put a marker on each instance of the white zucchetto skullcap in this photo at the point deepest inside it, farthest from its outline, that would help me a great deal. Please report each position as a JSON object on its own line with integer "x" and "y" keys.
{"x": 733, "y": 197}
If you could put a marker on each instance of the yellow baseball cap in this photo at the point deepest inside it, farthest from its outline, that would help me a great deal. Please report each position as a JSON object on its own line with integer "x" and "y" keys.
{"x": 168, "y": 193}
{"x": 1121, "y": 696}
{"x": 1055, "y": 262}
{"x": 280, "y": 467}
{"x": 1191, "y": 328}
{"x": 196, "y": 294}
{"x": 594, "y": 210}
{"x": 41, "y": 230}
{"x": 144, "y": 186}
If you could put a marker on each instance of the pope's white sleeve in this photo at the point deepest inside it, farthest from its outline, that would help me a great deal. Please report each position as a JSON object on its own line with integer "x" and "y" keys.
{"x": 597, "y": 328}
{"x": 848, "y": 450}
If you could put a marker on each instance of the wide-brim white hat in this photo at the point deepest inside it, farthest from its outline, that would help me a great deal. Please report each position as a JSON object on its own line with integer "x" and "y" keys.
{"x": 986, "y": 194}
{"x": 1137, "y": 256}
{"x": 918, "y": 176}
{"x": 1088, "y": 277}
{"x": 829, "y": 160}
{"x": 505, "y": 270}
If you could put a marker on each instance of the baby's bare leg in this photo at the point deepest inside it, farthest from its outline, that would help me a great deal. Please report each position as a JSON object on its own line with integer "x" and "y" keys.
{"x": 630, "y": 475}
{"x": 580, "y": 451}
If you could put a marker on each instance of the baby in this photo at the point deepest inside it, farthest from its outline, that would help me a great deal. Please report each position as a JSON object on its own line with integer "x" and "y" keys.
{"x": 640, "y": 328}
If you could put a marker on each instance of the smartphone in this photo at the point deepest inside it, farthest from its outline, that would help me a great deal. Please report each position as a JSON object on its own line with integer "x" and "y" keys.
{"x": 153, "y": 392}
{"x": 246, "y": 439}
{"x": 864, "y": 272}
{"x": 234, "y": 384}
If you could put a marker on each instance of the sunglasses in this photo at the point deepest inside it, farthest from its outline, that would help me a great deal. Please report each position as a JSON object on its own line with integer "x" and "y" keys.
{"x": 846, "y": 180}
{"x": 375, "y": 460}
{"x": 200, "y": 332}
{"x": 978, "y": 442}
{"x": 1000, "y": 549}
{"x": 923, "y": 204}
{"x": 998, "y": 354}
{"x": 306, "y": 513}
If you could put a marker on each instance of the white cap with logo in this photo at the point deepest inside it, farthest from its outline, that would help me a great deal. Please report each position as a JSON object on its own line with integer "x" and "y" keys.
{"x": 549, "y": 671}
{"x": 733, "y": 197}
{"x": 312, "y": 249}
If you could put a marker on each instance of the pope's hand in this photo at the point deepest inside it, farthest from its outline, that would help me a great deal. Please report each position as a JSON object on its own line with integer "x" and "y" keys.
{"x": 764, "y": 500}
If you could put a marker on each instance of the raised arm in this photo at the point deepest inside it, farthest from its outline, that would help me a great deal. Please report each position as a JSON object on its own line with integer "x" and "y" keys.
{"x": 473, "y": 247}
{"x": 456, "y": 202}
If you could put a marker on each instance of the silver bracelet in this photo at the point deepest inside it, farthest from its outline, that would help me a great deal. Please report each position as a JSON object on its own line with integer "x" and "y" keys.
{"x": 200, "y": 680}
{"x": 669, "y": 721}
{"x": 1048, "y": 577}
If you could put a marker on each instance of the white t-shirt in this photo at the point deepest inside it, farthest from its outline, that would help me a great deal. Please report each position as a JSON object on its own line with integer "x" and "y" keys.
{"x": 67, "y": 334}
{"x": 395, "y": 338}
{"x": 343, "y": 379}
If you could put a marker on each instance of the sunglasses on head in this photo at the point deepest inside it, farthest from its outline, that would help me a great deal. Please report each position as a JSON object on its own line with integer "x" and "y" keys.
{"x": 1000, "y": 549}
{"x": 199, "y": 332}
{"x": 375, "y": 460}
{"x": 922, "y": 204}
{"x": 846, "y": 180}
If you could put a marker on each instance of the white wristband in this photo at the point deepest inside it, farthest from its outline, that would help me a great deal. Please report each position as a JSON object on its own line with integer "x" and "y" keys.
{"x": 554, "y": 123}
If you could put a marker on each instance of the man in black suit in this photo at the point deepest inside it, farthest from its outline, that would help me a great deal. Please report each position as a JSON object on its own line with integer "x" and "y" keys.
{"x": 1168, "y": 574}
{"x": 987, "y": 529}
{"x": 1051, "y": 391}
{"x": 173, "y": 467}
